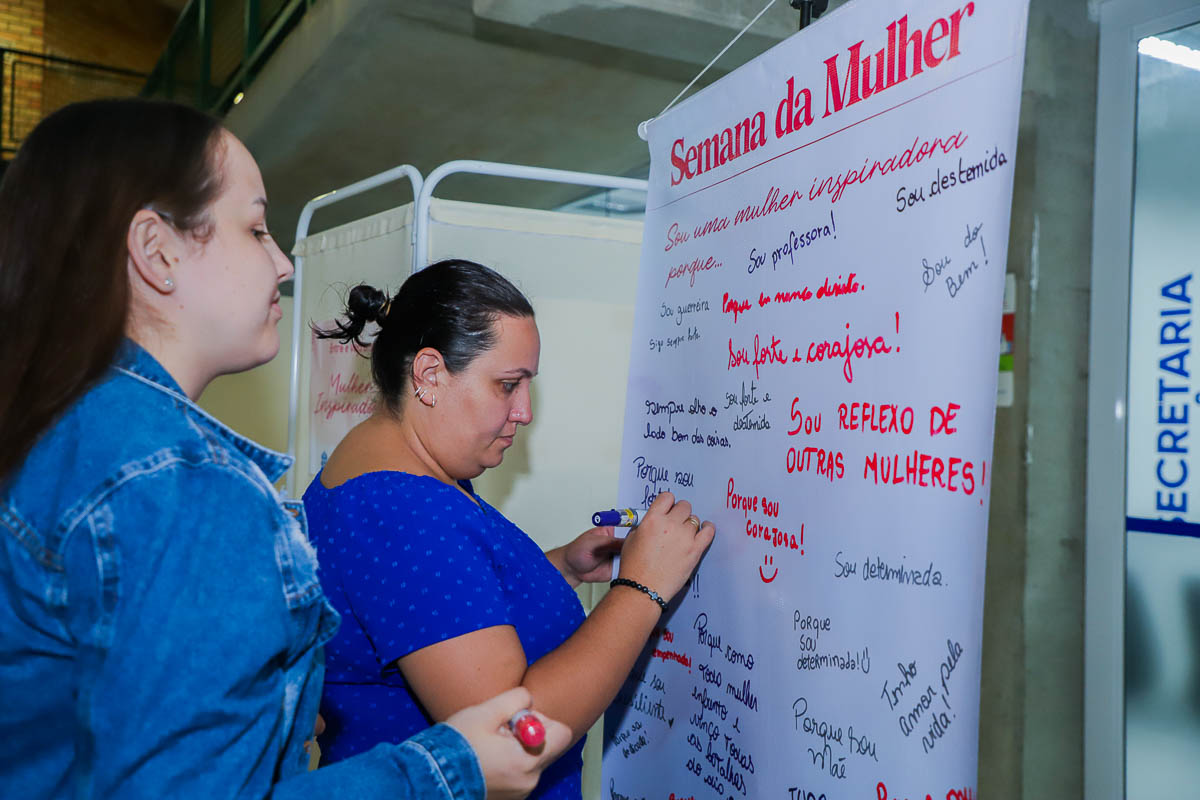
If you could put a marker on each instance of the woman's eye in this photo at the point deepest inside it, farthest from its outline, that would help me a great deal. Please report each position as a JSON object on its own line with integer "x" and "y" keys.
{"x": 260, "y": 233}
{"x": 509, "y": 386}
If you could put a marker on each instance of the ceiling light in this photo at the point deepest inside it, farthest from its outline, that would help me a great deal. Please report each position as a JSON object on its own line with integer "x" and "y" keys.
{"x": 237, "y": 98}
{"x": 1169, "y": 51}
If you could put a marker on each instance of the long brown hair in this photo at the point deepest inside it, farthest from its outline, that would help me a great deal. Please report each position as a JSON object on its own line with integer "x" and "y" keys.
{"x": 66, "y": 202}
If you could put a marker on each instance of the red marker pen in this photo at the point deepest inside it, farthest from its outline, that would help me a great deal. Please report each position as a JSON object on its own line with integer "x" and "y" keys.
{"x": 527, "y": 728}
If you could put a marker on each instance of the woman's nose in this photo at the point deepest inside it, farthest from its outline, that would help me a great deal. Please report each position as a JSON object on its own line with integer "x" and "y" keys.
{"x": 522, "y": 412}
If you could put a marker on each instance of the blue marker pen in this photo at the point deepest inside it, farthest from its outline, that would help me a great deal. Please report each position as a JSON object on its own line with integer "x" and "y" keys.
{"x": 618, "y": 517}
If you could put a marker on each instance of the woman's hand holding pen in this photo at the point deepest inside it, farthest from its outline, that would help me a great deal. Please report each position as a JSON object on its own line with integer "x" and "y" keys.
{"x": 664, "y": 549}
{"x": 589, "y": 558}
{"x": 510, "y": 770}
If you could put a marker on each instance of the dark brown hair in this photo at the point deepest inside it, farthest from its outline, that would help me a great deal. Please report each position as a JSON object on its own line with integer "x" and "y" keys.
{"x": 65, "y": 206}
{"x": 451, "y": 306}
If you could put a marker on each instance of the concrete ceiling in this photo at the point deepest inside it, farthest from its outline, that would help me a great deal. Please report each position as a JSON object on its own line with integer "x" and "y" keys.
{"x": 363, "y": 85}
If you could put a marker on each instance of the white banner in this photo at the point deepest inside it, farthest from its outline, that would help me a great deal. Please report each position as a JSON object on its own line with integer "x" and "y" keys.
{"x": 814, "y": 366}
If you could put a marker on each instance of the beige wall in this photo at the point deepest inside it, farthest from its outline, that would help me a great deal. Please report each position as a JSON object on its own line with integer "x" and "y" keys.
{"x": 255, "y": 403}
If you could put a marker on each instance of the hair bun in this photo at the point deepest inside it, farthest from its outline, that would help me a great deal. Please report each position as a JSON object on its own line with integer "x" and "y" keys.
{"x": 366, "y": 303}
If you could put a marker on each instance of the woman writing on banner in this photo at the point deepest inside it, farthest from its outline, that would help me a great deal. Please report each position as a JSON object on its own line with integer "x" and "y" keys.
{"x": 450, "y": 601}
{"x": 161, "y": 624}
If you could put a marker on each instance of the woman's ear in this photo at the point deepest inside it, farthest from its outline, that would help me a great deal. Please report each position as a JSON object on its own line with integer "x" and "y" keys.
{"x": 427, "y": 366}
{"x": 153, "y": 247}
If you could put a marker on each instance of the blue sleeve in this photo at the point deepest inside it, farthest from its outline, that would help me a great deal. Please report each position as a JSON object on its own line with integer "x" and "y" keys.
{"x": 436, "y": 764}
{"x": 185, "y": 689}
{"x": 413, "y": 571}
{"x": 187, "y": 685}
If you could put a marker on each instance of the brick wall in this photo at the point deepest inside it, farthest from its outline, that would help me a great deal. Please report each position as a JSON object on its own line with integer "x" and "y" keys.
{"x": 22, "y": 24}
{"x": 22, "y": 27}
{"x": 118, "y": 33}
{"x": 129, "y": 34}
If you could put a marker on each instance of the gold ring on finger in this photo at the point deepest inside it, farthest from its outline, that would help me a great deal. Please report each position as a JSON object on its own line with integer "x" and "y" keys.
{"x": 692, "y": 518}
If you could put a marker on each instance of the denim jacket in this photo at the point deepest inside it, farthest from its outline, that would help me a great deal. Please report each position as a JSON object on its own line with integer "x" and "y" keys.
{"x": 161, "y": 622}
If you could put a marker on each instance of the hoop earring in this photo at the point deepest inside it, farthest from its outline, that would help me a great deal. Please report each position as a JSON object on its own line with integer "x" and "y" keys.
{"x": 432, "y": 401}
{"x": 420, "y": 393}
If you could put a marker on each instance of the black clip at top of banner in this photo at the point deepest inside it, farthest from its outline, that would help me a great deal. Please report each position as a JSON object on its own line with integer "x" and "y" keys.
{"x": 809, "y": 10}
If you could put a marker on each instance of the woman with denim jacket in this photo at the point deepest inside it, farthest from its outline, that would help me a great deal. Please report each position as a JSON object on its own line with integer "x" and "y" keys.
{"x": 161, "y": 621}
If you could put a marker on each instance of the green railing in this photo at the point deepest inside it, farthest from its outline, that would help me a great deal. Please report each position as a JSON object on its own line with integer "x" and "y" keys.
{"x": 218, "y": 46}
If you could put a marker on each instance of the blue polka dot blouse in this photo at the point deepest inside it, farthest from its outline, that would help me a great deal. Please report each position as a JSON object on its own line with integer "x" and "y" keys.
{"x": 409, "y": 561}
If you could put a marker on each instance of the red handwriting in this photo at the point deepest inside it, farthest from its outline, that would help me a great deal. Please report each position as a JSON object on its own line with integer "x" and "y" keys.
{"x": 922, "y": 469}
{"x": 335, "y": 347}
{"x": 881, "y": 418}
{"x": 846, "y": 350}
{"x": 774, "y": 202}
{"x": 671, "y": 655}
{"x": 807, "y": 423}
{"x": 837, "y": 288}
{"x": 764, "y": 354}
{"x": 835, "y": 186}
{"x": 827, "y": 463}
{"x": 967, "y": 793}
{"x": 327, "y": 408}
{"x": 768, "y": 354}
{"x": 774, "y": 536}
{"x": 675, "y": 237}
{"x": 735, "y": 307}
{"x": 744, "y": 503}
{"x": 699, "y": 264}
{"x": 939, "y": 419}
{"x": 770, "y": 507}
{"x": 779, "y": 199}
{"x": 768, "y": 561}
{"x": 881, "y": 793}
{"x": 714, "y": 225}
{"x": 354, "y": 385}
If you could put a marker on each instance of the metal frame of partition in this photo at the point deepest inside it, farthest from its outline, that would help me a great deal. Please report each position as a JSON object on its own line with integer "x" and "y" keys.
{"x": 423, "y": 193}
{"x": 1122, "y": 24}
{"x": 404, "y": 171}
{"x": 501, "y": 170}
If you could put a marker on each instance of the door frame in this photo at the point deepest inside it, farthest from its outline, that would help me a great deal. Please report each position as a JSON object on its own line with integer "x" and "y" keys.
{"x": 1122, "y": 24}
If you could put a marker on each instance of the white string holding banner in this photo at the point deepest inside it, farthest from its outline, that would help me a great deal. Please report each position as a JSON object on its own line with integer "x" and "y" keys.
{"x": 642, "y": 125}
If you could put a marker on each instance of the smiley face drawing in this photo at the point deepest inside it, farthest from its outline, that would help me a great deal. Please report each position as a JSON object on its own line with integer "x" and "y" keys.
{"x": 768, "y": 561}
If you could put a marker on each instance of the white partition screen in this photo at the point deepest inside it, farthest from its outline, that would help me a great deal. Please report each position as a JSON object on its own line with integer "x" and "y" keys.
{"x": 580, "y": 273}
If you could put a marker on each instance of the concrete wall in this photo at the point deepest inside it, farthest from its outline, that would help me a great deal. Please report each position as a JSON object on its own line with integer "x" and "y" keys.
{"x": 1031, "y": 737}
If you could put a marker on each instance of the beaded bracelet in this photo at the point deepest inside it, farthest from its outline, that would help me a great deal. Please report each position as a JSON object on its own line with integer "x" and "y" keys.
{"x": 646, "y": 590}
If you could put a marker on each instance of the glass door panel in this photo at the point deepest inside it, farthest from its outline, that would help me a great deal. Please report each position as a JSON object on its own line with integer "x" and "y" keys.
{"x": 1162, "y": 604}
